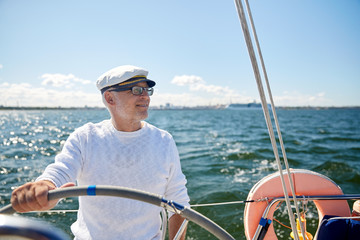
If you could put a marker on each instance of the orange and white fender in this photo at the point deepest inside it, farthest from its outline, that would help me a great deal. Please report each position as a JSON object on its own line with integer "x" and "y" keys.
{"x": 306, "y": 183}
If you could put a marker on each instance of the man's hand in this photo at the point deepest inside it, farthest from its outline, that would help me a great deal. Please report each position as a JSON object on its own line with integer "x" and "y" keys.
{"x": 34, "y": 196}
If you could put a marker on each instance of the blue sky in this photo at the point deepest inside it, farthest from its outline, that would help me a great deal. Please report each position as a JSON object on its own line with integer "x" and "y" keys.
{"x": 52, "y": 52}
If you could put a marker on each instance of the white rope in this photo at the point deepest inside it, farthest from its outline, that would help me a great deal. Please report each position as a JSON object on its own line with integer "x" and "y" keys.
{"x": 193, "y": 205}
{"x": 55, "y": 211}
{"x": 265, "y": 108}
{"x": 274, "y": 115}
{"x": 218, "y": 204}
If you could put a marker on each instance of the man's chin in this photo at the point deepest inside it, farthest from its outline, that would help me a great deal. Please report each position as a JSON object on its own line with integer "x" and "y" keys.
{"x": 143, "y": 115}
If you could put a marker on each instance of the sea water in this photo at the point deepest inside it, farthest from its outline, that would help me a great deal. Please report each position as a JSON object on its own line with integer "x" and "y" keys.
{"x": 223, "y": 154}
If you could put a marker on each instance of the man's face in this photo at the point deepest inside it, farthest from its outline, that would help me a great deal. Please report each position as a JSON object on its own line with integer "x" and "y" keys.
{"x": 132, "y": 107}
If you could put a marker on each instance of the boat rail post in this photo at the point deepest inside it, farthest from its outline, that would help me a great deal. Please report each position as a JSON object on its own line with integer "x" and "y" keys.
{"x": 181, "y": 229}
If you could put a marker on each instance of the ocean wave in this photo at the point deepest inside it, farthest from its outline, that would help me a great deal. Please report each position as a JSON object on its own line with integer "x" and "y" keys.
{"x": 341, "y": 173}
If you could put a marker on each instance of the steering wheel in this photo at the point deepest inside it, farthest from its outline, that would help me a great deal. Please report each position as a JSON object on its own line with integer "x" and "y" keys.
{"x": 157, "y": 200}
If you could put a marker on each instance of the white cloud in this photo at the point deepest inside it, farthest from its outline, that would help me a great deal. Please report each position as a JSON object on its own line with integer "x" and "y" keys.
{"x": 295, "y": 98}
{"x": 207, "y": 94}
{"x": 187, "y": 80}
{"x": 28, "y": 96}
{"x": 196, "y": 83}
{"x": 25, "y": 94}
{"x": 225, "y": 95}
{"x": 214, "y": 94}
{"x": 217, "y": 90}
{"x": 183, "y": 99}
{"x": 1, "y": 66}
{"x": 61, "y": 80}
{"x": 190, "y": 99}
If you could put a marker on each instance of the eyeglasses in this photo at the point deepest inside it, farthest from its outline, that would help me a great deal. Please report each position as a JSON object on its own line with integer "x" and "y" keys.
{"x": 136, "y": 90}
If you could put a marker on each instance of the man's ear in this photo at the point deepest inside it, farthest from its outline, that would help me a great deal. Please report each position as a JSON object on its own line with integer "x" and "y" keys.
{"x": 109, "y": 98}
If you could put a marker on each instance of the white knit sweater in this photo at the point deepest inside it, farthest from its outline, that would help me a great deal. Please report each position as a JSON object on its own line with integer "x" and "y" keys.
{"x": 98, "y": 154}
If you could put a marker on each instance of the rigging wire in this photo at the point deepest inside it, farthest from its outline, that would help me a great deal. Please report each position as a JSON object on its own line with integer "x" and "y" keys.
{"x": 192, "y": 205}
{"x": 221, "y": 203}
{"x": 274, "y": 114}
{"x": 254, "y": 62}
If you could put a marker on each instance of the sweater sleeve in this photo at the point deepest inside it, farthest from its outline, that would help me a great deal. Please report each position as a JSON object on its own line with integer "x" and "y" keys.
{"x": 67, "y": 165}
{"x": 176, "y": 188}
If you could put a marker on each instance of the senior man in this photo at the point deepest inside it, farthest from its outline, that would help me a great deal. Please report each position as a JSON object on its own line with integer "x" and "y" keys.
{"x": 124, "y": 151}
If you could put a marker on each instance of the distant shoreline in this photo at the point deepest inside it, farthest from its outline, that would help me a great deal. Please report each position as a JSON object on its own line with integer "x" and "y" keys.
{"x": 176, "y": 108}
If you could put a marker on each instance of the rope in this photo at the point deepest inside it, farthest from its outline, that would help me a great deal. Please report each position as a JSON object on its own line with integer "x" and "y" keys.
{"x": 192, "y": 206}
{"x": 281, "y": 223}
{"x": 221, "y": 203}
{"x": 55, "y": 211}
{"x": 253, "y": 59}
{"x": 274, "y": 114}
